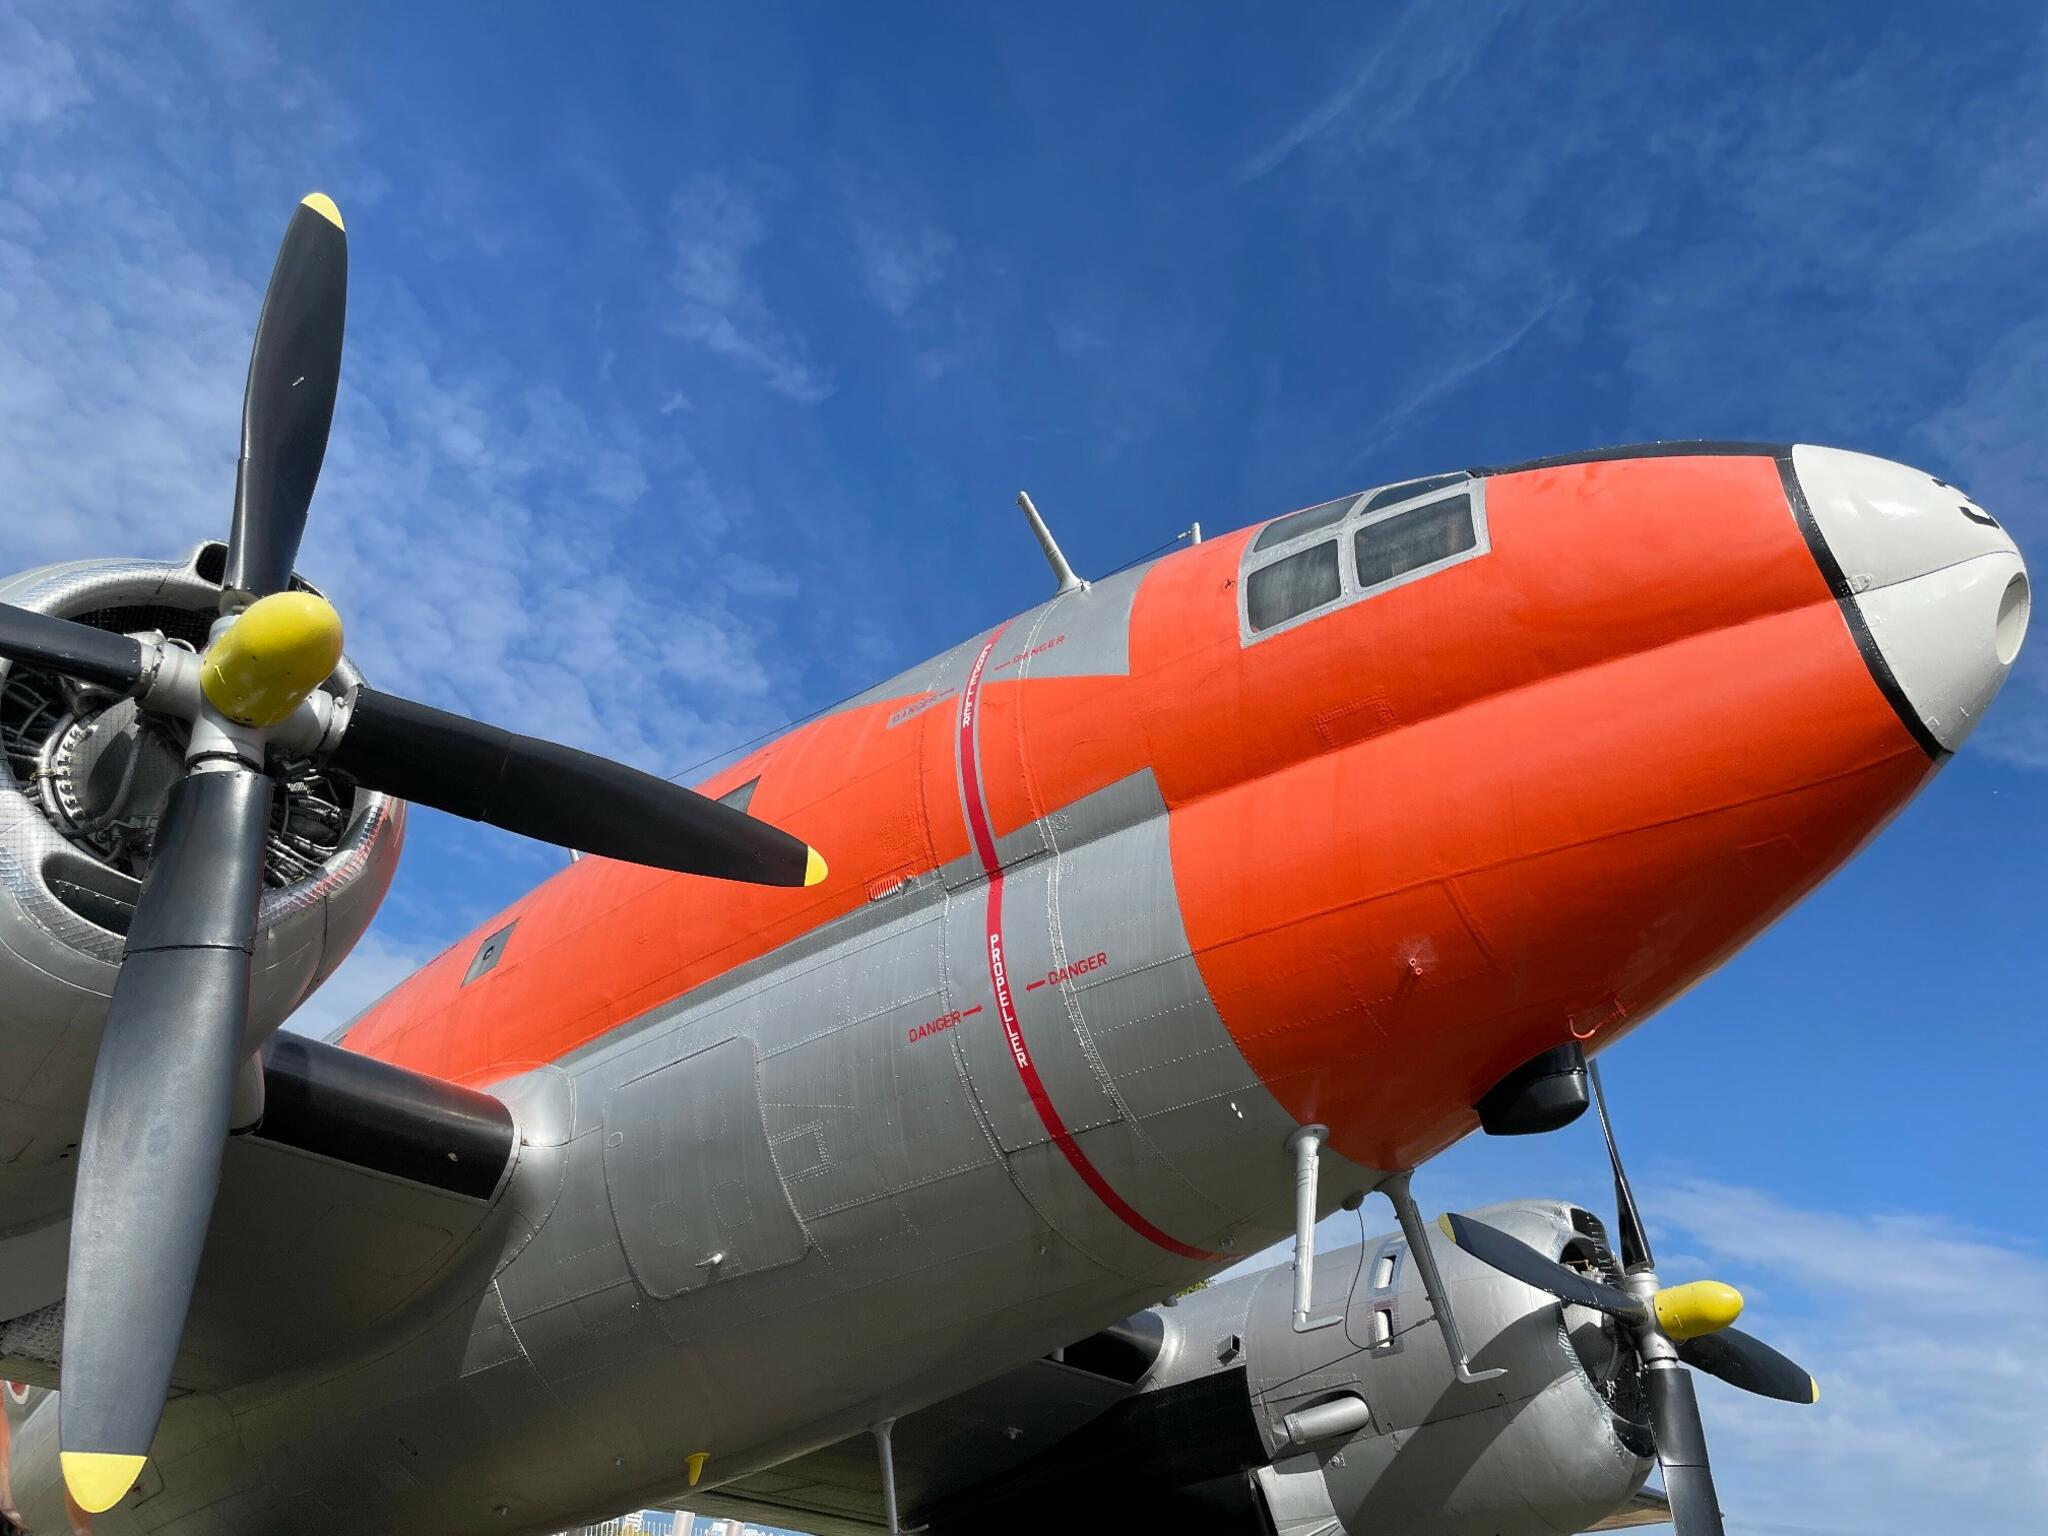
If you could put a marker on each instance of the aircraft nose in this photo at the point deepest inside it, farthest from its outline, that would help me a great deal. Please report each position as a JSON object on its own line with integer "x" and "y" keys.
{"x": 1939, "y": 586}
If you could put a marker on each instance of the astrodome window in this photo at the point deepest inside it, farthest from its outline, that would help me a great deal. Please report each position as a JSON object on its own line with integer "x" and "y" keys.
{"x": 1414, "y": 540}
{"x": 1289, "y": 588}
{"x": 1408, "y": 490}
{"x": 1297, "y": 525}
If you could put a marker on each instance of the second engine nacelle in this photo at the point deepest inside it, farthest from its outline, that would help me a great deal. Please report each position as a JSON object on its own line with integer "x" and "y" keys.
{"x": 1242, "y": 1426}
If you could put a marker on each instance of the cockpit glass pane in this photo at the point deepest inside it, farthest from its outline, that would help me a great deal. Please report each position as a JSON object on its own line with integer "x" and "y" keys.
{"x": 1295, "y": 524}
{"x": 1408, "y": 490}
{"x": 1412, "y": 540}
{"x": 1287, "y": 588}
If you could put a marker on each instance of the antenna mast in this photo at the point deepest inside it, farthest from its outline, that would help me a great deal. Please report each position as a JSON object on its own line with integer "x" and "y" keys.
{"x": 1062, "y": 572}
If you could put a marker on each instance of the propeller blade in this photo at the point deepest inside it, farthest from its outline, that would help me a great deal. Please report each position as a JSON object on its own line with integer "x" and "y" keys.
{"x": 288, "y": 405}
{"x": 1745, "y": 1361}
{"x": 149, "y": 1162}
{"x": 1513, "y": 1257}
{"x": 560, "y": 795}
{"x": 76, "y": 650}
{"x": 1682, "y": 1451}
{"x": 1634, "y": 1240}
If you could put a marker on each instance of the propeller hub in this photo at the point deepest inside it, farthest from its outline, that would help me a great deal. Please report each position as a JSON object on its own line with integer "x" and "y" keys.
{"x": 1696, "y": 1308}
{"x": 278, "y": 650}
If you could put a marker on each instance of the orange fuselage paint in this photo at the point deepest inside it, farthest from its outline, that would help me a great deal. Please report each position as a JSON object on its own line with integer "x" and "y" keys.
{"x": 1414, "y": 841}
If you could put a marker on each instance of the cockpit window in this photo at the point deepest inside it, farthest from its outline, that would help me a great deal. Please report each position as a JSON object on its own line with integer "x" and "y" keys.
{"x": 1408, "y": 490}
{"x": 1295, "y": 524}
{"x": 1311, "y": 562}
{"x": 1288, "y": 588}
{"x": 1414, "y": 540}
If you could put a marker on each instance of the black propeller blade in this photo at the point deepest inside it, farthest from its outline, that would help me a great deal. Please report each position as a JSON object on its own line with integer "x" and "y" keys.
{"x": 1745, "y": 1361}
{"x": 560, "y": 795}
{"x": 76, "y": 650}
{"x": 156, "y": 1121}
{"x": 288, "y": 403}
{"x": 1512, "y": 1256}
{"x": 1629, "y": 1230}
{"x": 1682, "y": 1451}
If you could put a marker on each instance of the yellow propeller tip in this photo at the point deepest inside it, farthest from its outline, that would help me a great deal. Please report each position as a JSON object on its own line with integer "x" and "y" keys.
{"x": 1816, "y": 1390}
{"x": 1443, "y": 1225}
{"x": 814, "y": 867}
{"x": 98, "y": 1480}
{"x": 323, "y": 205}
{"x": 697, "y": 1460}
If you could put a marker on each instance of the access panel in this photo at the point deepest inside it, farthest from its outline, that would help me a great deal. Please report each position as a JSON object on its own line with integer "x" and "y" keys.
{"x": 693, "y": 1186}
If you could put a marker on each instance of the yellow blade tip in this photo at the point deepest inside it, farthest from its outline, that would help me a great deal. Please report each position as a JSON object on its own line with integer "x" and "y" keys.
{"x": 1443, "y": 1225}
{"x": 1816, "y": 1389}
{"x": 697, "y": 1460}
{"x": 323, "y": 205}
{"x": 98, "y": 1480}
{"x": 814, "y": 867}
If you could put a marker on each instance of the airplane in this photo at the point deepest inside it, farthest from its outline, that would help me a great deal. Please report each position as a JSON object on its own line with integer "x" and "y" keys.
{"x": 1129, "y": 936}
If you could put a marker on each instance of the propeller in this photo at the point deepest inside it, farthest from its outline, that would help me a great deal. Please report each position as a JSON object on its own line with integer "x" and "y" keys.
{"x": 177, "y": 1024}
{"x": 1673, "y": 1327}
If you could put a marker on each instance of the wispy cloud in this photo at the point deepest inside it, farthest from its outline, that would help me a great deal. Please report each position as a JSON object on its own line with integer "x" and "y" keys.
{"x": 899, "y": 254}
{"x": 1931, "y": 1344}
{"x": 495, "y": 544}
{"x": 1413, "y": 62}
{"x": 39, "y": 76}
{"x": 719, "y": 223}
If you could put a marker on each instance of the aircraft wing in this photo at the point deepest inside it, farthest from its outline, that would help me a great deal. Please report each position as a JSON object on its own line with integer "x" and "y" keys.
{"x": 948, "y": 1449}
{"x": 361, "y": 1184}
{"x": 1648, "y": 1507}
{"x": 1043, "y": 1442}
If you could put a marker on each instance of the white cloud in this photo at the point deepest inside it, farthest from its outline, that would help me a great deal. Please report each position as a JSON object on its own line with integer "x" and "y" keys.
{"x": 719, "y": 303}
{"x": 1930, "y": 1341}
{"x": 899, "y": 254}
{"x": 39, "y": 77}
{"x": 1414, "y": 62}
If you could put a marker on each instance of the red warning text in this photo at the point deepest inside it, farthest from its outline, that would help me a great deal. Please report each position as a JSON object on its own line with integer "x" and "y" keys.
{"x": 1094, "y": 962}
{"x": 942, "y": 1023}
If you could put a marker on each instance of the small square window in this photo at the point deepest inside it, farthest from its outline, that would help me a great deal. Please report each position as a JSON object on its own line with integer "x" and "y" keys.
{"x": 1384, "y": 1269}
{"x": 742, "y": 796}
{"x": 490, "y": 952}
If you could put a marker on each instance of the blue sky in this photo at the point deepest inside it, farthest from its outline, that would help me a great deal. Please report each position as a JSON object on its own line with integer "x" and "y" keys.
{"x": 695, "y": 358}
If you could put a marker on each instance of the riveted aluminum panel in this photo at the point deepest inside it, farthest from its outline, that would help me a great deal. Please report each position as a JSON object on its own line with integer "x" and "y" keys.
{"x": 692, "y": 1180}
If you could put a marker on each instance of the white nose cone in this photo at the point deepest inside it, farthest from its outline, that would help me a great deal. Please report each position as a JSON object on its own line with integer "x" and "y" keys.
{"x": 1938, "y": 584}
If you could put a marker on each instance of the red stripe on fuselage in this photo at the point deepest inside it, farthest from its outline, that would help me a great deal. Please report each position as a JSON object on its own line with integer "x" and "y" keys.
{"x": 999, "y": 981}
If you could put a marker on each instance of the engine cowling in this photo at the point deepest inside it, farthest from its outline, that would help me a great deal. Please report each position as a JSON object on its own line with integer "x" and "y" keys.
{"x": 1241, "y": 1426}
{"x": 83, "y": 778}
{"x": 1556, "y": 1444}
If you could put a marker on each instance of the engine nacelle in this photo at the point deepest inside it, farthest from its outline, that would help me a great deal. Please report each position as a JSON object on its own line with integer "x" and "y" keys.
{"x": 1241, "y": 1426}
{"x": 1557, "y": 1443}
{"x": 83, "y": 778}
